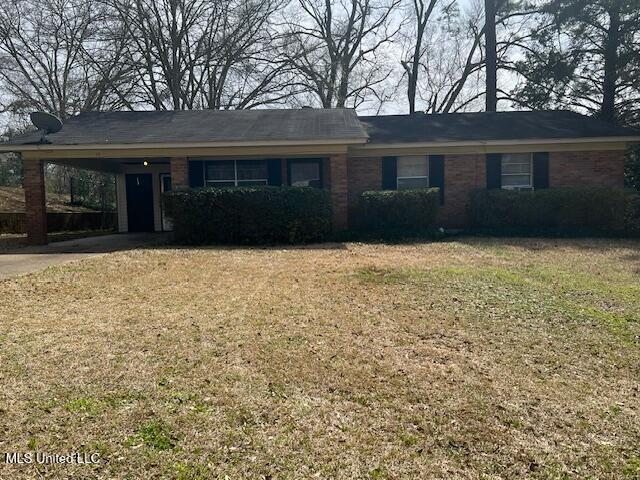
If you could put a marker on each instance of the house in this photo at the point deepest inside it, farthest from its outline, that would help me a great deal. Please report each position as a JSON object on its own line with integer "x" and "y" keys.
{"x": 153, "y": 152}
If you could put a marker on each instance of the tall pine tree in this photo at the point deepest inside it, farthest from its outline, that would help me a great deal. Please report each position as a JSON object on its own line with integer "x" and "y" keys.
{"x": 584, "y": 55}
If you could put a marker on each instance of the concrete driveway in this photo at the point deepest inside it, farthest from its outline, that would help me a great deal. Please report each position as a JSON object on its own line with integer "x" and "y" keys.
{"x": 31, "y": 259}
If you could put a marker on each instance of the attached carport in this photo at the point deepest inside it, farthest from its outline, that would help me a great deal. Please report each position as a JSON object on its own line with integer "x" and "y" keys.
{"x": 153, "y": 169}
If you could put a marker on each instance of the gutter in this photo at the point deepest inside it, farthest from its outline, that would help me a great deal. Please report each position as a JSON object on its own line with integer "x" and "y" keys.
{"x": 135, "y": 146}
{"x": 486, "y": 143}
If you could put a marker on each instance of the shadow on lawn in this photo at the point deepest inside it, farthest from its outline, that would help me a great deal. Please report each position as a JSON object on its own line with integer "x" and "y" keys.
{"x": 310, "y": 246}
{"x": 131, "y": 241}
{"x": 149, "y": 241}
{"x": 91, "y": 243}
{"x": 549, "y": 243}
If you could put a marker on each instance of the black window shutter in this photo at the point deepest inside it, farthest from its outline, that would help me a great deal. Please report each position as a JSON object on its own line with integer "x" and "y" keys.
{"x": 196, "y": 174}
{"x": 436, "y": 174}
{"x": 389, "y": 173}
{"x": 541, "y": 170}
{"x": 274, "y": 171}
{"x": 494, "y": 170}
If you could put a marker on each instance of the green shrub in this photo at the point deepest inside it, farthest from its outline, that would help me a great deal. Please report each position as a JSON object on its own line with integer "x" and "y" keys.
{"x": 249, "y": 215}
{"x": 632, "y": 218}
{"x": 632, "y": 168}
{"x": 579, "y": 210}
{"x": 397, "y": 210}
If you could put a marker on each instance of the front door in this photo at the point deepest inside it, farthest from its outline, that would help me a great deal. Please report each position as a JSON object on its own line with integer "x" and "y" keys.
{"x": 139, "y": 202}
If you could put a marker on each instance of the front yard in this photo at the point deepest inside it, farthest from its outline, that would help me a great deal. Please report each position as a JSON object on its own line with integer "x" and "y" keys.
{"x": 475, "y": 358}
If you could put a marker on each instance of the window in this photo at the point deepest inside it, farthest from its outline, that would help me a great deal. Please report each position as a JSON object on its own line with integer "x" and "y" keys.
{"x": 236, "y": 173}
{"x": 252, "y": 172}
{"x": 221, "y": 174}
{"x": 305, "y": 173}
{"x": 412, "y": 172}
{"x": 516, "y": 170}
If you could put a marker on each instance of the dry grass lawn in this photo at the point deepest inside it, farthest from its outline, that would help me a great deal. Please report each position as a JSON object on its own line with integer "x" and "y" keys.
{"x": 475, "y": 358}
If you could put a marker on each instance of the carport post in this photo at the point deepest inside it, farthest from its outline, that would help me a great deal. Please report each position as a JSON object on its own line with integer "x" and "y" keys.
{"x": 338, "y": 187}
{"x": 35, "y": 204}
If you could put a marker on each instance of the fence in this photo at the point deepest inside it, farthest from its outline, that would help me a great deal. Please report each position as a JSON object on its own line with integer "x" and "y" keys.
{"x": 61, "y": 222}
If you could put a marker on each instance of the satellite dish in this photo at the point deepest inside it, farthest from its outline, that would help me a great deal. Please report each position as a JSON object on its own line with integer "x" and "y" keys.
{"x": 46, "y": 122}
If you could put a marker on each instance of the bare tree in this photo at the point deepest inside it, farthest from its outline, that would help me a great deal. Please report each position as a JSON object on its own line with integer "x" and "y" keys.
{"x": 204, "y": 53}
{"x": 445, "y": 60}
{"x": 56, "y": 55}
{"x": 470, "y": 60}
{"x": 337, "y": 48}
{"x": 453, "y": 55}
{"x": 421, "y": 13}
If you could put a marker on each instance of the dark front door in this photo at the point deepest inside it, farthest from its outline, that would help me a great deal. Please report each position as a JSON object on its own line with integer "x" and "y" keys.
{"x": 139, "y": 202}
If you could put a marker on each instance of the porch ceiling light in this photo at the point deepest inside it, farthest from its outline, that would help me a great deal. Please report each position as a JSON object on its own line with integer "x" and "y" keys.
{"x": 145, "y": 163}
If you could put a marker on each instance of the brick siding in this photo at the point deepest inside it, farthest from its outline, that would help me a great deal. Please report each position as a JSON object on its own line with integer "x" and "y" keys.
{"x": 179, "y": 173}
{"x": 462, "y": 174}
{"x": 364, "y": 174}
{"x": 35, "y": 204}
{"x": 597, "y": 168}
{"x": 339, "y": 189}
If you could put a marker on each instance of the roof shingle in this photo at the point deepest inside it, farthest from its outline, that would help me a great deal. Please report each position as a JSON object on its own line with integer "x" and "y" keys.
{"x": 339, "y": 125}
{"x": 195, "y": 126}
{"x": 519, "y": 125}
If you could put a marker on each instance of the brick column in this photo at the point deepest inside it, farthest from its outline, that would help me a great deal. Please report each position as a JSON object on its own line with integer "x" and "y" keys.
{"x": 339, "y": 191}
{"x": 179, "y": 173}
{"x": 34, "y": 196}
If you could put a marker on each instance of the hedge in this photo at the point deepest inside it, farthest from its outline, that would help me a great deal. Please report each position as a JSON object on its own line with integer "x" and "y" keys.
{"x": 249, "y": 215}
{"x": 632, "y": 215}
{"x": 565, "y": 211}
{"x": 397, "y": 210}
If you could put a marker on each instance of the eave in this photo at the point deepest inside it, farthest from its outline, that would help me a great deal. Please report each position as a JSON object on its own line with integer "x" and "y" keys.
{"x": 493, "y": 146}
{"x": 196, "y": 149}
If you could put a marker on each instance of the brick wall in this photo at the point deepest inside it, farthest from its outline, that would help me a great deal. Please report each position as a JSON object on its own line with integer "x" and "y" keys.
{"x": 364, "y": 174}
{"x": 596, "y": 168}
{"x": 347, "y": 178}
{"x": 339, "y": 189}
{"x": 462, "y": 174}
{"x": 179, "y": 173}
{"x": 35, "y": 204}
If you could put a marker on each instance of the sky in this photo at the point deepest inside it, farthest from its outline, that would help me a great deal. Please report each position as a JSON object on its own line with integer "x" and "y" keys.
{"x": 393, "y": 52}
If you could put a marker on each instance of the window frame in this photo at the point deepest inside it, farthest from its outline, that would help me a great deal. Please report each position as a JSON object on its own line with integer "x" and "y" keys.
{"x": 318, "y": 161}
{"x": 236, "y": 182}
{"x": 427, "y": 176}
{"x": 516, "y": 187}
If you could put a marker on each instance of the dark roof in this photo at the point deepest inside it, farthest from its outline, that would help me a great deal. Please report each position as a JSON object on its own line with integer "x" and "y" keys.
{"x": 196, "y": 126}
{"x": 452, "y": 127}
{"x": 309, "y": 124}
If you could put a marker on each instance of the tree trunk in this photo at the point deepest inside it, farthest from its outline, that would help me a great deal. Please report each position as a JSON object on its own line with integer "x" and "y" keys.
{"x": 415, "y": 65}
{"x": 491, "y": 55}
{"x": 607, "y": 109}
{"x": 343, "y": 85}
